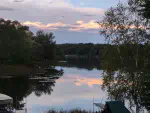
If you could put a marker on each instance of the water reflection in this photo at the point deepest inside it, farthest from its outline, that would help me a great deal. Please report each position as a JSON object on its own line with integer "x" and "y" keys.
{"x": 75, "y": 89}
{"x": 44, "y": 87}
{"x": 39, "y": 81}
{"x": 127, "y": 75}
{"x": 81, "y": 64}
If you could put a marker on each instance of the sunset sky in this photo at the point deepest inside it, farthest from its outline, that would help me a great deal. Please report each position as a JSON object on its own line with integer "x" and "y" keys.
{"x": 71, "y": 21}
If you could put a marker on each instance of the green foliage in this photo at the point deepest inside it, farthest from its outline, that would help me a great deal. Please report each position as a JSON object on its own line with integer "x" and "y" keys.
{"x": 15, "y": 42}
{"x": 18, "y": 45}
{"x": 44, "y": 47}
{"x": 87, "y": 51}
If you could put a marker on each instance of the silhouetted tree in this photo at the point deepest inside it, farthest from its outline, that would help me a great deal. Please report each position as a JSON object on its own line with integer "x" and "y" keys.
{"x": 143, "y": 7}
{"x": 15, "y": 42}
{"x": 44, "y": 46}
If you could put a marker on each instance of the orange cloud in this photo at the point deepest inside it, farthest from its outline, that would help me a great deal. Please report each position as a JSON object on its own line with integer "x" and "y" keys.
{"x": 79, "y": 26}
{"x": 79, "y": 80}
{"x": 80, "y": 22}
{"x": 51, "y": 26}
{"x": 84, "y": 26}
{"x": 89, "y": 81}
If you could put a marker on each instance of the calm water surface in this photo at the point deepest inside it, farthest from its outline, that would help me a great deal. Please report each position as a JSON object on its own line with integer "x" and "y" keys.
{"x": 47, "y": 87}
{"x": 75, "y": 89}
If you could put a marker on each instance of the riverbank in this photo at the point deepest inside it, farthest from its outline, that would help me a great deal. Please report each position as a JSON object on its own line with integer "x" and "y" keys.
{"x": 24, "y": 70}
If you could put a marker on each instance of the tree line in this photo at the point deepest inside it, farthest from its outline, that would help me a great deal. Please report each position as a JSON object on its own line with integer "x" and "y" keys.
{"x": 19, "y": 45}
{"x": 87, "y": 51}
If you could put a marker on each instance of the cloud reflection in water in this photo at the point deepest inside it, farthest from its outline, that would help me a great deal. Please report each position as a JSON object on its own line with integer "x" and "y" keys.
{"x": 75, "y": 89}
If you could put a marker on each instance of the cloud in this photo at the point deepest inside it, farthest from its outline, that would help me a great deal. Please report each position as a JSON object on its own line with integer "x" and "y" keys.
{"x": 3, "y": 8}
{"x": 49, "y": 26}
{"x": 92, "y": 11}
{"x": 80, "y": 80}
{"x": 46, "y": 12}
{"x": 89, "y": 15}
{"x": 64, "y": 4}
{"x": 79, "y": 26}
{"x": 89, "y": 81}
{"x": 18, "y": 0}
{"x": 84, "y": 26}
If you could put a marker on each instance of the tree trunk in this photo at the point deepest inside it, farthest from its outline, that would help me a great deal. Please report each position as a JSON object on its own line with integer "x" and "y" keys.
{"x": 120, "y": 55}
{"x": 137, "y": 50}
{"x": 137, "y": 109}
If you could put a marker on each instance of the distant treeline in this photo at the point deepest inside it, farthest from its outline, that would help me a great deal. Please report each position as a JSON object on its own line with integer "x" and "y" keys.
{"x": 19, "y": 45}
{"x": 87, "y": 51}
{"x": 100, "y": 52}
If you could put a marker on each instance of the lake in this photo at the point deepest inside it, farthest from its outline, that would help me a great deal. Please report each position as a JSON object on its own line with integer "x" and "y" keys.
{"x": 43, "y": 90}
{"x": 62, "y": 85}
{"x": 75, "y": 89}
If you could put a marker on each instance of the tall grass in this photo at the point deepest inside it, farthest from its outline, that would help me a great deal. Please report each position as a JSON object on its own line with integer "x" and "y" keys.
{"x": 70, "y": 111}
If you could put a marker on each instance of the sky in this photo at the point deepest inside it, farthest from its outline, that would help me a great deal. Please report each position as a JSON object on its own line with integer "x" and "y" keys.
{"x": 71, "y": 21}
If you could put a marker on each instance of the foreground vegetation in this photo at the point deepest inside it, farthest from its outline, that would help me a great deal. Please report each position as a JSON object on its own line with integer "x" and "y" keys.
{"x": 71, "y": 111}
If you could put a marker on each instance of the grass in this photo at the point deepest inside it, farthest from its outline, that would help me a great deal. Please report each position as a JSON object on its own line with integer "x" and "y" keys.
{"x": 70, "y": 111}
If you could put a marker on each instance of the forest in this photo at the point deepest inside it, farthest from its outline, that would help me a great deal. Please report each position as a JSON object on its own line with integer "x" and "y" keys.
{"x": 19, "y": 45}
{"x": 86, "y": 51}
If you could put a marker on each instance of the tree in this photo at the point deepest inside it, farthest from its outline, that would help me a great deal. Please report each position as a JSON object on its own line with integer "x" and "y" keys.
{"x": 15, "y": 42}
{"x": 44, "y": 46}
{"x": 144, "y": 7}
{"x": 127, "y": 59}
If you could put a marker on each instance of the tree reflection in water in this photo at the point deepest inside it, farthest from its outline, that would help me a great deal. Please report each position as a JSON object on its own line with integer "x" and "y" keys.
{"x": 126, "y": 78}
{"x": 39, "y": 82}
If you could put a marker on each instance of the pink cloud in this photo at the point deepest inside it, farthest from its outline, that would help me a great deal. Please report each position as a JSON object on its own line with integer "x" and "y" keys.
{"x": 89, "y": 81}
{"x": 79, "y": 80}
{"x": 49, "y": 26}
{"x": 80, "y": 26}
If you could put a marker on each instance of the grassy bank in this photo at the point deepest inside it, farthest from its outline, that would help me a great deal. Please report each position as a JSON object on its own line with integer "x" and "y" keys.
{"x": 70, "y": 111}
{"x": 19, "y": 70}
